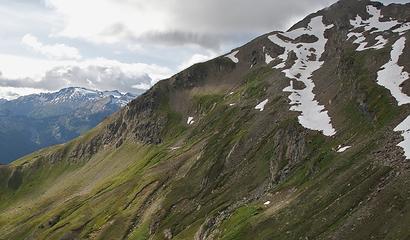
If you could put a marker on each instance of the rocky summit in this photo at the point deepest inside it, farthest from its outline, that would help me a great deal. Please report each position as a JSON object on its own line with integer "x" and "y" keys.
{"x": 303, "y": 134}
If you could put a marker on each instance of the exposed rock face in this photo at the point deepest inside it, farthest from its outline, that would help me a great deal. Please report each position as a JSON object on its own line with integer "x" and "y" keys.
{"x": 199, "y": 156}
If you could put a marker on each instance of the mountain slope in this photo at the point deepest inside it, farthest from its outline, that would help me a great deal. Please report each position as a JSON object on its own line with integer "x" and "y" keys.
{"x": 294, "y": 135}
{"x": 36, "y": 121}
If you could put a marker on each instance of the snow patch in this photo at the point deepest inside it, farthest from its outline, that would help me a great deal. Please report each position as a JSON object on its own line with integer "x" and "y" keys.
{"x": 232, "y": 56}
{"x": 341, "y": 149}
{"x": 404, "y": 129}
{"x": 83, "y": 91}
{"x": 261, "y": 106}
{"x": 190, "y": 120}
{"x": 391, "y": 75}
{"x": 313, "y": 116}
{"x": 402, "y": 29}
{"x": 374, "y": 25}
{"x": 268, "y": 58}
{"x": 360, "y": 39}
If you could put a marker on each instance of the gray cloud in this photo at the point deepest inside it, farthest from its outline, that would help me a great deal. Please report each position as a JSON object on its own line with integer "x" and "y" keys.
{"x": 17, "y": 83}
{"x": 94, "y": 77}
{"x": 209, "y": 24}
{"x": 212, "y": 23}
{"x": 168, "y": 38}
{"x": 176, "y": 38}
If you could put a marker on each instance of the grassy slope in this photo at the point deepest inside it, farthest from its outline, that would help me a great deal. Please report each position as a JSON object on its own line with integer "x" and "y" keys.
{"x": 222, "y": 173}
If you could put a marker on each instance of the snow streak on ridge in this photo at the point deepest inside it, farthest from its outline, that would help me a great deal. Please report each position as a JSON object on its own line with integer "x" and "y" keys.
{"x": 391, "y": 75}
{"x": 404, "y": 129}
{"x": 232, "y": 56}
{"x": 374, "y": 25}
{"x": 313, "y": 116}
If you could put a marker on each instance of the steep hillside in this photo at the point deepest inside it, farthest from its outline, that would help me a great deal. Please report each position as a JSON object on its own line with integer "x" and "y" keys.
{"x": 36, "y": 121}
{"x": 301, "y": 134}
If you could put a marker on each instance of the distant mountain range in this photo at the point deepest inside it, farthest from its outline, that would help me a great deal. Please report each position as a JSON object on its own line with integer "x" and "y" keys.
{"x": 35, "y": 121}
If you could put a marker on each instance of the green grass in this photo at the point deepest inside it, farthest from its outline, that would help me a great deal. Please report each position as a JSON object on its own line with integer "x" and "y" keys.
{"x": 232, "y": 228}
{"x": 204, "y": 103}
{"x": 254, "y": 84}
{"x": 141, "y": 232}
{"x": 373, "y": 107}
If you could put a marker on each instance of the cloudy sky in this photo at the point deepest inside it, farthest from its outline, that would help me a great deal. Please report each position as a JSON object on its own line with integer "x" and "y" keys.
{"x": 126, "y": 45}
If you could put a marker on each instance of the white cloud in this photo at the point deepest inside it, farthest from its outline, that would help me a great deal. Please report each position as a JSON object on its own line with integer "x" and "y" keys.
{"x": 108, "y": 17}
{"x": 196, "y": 58}
{"x": 10, "y": 93}
{"x": 11, "y": 66}
{"x": 98, "y": 73}
{"x": 175, "y": 22}
{"x": 142, "y": 86}
{"x": 57, "y": 51}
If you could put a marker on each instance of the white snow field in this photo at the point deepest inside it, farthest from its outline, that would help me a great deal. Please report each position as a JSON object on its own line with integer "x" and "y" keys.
{"x": 313, "y": 116}
{"x": 404, "y": 129}
{"x": 374, "y": 25}
{"x": 232, "y": 56}
{"x": 342, "y": 149}
{"x": 261, "y": 106}
{"x": 190, "y": 120}
{"x": 391, "y": 75}
{"x": 268, "y": 58}
{"x": 381, "y": 42}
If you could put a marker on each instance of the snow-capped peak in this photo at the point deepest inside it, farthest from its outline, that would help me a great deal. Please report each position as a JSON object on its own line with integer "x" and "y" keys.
{"x": 76, "y": 96}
